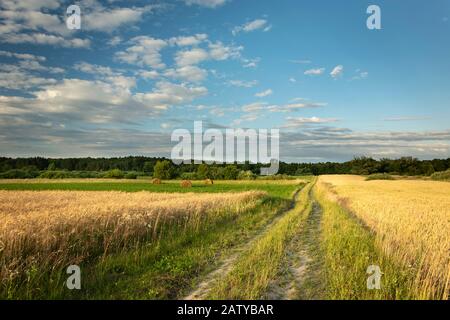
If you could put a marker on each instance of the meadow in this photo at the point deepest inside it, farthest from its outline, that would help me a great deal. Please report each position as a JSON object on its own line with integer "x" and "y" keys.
{"x": 303, "y": 238}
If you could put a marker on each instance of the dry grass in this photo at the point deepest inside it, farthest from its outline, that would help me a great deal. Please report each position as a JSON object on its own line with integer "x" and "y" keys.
{"x": 412, "y": 224}
{"x": 51, "y": 229}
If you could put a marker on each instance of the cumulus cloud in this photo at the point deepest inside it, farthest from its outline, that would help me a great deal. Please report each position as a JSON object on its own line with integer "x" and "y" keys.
{"x": 243, "y": 84}
{"x": 187, "y": 73}
{"x": 183, "y": 41}
{"x": 295, "y": 122}
{"x": 252, "y": 26}
{"x": 264, "y": 93}
{"x": 31, "y": 22}
{"x": 45, "y": 39}
{"x": 190, "y": 57}
{"x": 104, "y": 19}
{"x": 205, "y": 3}
{"x": 314, "y": 72}
{"x": 144, "y": 51}
{"x": 337, "y": 71}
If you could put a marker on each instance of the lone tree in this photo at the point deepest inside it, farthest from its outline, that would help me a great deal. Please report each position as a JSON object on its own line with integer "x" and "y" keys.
{"x": 162, "y": 170}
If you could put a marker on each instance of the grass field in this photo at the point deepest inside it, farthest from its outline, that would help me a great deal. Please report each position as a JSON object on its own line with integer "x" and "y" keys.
{"x": 308, "y": 238}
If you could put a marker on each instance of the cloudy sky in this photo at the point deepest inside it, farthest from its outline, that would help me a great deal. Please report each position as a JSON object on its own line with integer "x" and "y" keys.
{"x": 137, "y": 70}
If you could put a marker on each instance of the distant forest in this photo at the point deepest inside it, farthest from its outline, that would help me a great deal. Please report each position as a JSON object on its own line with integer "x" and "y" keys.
{"x": 37, "y": 166}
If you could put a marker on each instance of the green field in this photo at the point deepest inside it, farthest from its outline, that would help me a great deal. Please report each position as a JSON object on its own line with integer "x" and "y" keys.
{"x": 281, "y": 189}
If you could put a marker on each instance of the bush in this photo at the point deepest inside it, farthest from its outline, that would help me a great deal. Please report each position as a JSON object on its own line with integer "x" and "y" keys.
{"x": 186, "y": 184}
{"x": 114, "y": 174}
{"x": 188, "y": 176}
{"x": 53, "y": 174}
{"x": 163, "y": 170}
{"x": 131, "y": 175}
{"x": 246, "y": 175}
{"x": 441, "y": 175}
{"x": 380, "y": 176}
{"x": 19, "y": 174}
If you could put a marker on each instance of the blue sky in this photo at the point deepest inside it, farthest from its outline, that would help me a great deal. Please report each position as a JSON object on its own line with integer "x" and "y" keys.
{"x": 137, "y": 70}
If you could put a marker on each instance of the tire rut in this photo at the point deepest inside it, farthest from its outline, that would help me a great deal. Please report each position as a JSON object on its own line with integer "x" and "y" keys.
{"x": 226, "y": 265}
{"x": 300, "y": 277}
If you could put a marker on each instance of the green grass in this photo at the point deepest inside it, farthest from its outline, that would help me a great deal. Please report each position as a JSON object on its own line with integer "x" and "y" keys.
{"x": 281, "y": 189}
{"x": 252, "y": 274}
{"x": 380, "y": 176}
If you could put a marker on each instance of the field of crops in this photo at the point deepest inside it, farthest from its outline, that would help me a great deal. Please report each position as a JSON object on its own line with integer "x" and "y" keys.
{"x": 411, "y": 220}
{"x": 306, "y": 238}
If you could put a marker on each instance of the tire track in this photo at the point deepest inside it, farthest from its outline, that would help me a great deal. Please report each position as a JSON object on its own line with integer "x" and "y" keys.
{"x": 226, "y": 265}
{"x": 300, "y": 277}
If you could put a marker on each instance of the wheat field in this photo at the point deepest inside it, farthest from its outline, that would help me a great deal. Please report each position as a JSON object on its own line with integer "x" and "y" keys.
{"x": 50, "y": 229}
{"x": 411, "y": 220}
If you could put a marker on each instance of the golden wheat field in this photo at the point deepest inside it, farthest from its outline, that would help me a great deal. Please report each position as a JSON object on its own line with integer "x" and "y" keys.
{"x": 412, "y": 224}
{"x": 53, "y": 228}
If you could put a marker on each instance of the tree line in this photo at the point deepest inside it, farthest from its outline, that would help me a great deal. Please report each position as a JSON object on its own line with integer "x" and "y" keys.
{"x": 164, "y": 168}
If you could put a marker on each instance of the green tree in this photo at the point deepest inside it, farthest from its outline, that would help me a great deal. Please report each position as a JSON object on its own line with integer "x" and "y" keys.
{"x": 51, "y": 166}
{"x": 148, "y": 167}
{"x": 203, "y": 171}
{"x": 162, "y": 170}
{"x": 231, "y": 172}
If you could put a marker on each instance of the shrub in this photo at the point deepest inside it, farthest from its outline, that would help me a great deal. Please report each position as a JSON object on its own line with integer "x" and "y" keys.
{"x": 209, "y": 182}
{"x": 55, "y": 174}
{"x": 380, "y": 176}
{"x": 163, "y": 170}
{"x": 131, "y": 175}
{"x": 114, "y": 174}
{"x": 188, "y": 176}
{"x": 441, "y": 175}
{"x": 246, "y": 175}
{"x": 19, "y": 174}
{"x": 156, "y": 181}
{"x": 186, "y": 184}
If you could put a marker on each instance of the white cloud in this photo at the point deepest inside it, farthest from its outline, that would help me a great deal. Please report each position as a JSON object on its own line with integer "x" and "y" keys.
{"x": 167, "y": 94}
{"x": 107, "y": 20}
{"x": 99, "y": 101}
{"x": 337, "y": 71}
{"x": 187, "y": 73}
{"x": 46, "y": 39}
{"x": 303, "y": 61}
{"x": 243, "y": 84}
{"x": 15, "y": 77}
{"x": 293, "y": 122}
{"x": 292, "y": 79}
{"x": 145, "y": 51}
{"x": 360, "y": 75}
{"x": 190, "y": 57}
{"x": 252, "y": 26}
{"x": 205, "y": 3}
{"x": 220, "y": 52}
{"x": 24, "y": 22}
{"x": 94, "y": 69}
{"x": 114, "y": 41}
{"x": 264, "y": 93}
{"x": 317, "y": 71}
{"x": 183, "y": 41}
{"x": 256, "y": 106}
